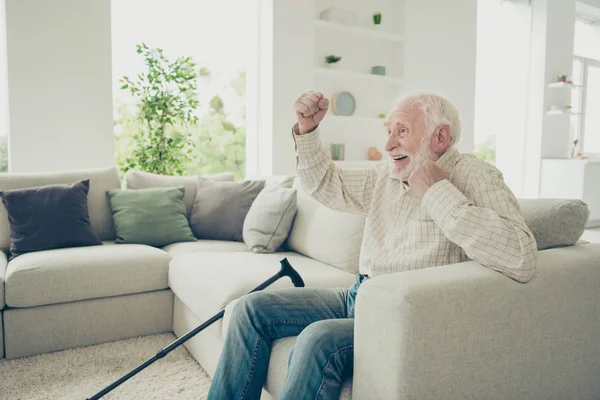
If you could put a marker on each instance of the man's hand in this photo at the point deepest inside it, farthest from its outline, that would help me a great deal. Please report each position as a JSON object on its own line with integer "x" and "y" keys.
{"x": 425, "y": 176}
{"x": 310, "y": 110}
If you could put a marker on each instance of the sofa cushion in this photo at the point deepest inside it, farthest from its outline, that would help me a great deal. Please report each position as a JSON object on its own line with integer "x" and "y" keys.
{"x": 101, "y": 180}
{"x": 555, "y": 222}
{"x": 207, "y": 282}
{"x": 203, "y": 246}
{"x": 49, "y": 217}
{"x": 63, "y": 275}
{"x": 283, "y": 181}
{"x": 3, "y": 265}
{"x": 140, "y": 180}
{"x": 329, "y": 236}
{"x": 220, "y": 208}
{"x": 152, "y": 216}
{"x": 269, "y": 220}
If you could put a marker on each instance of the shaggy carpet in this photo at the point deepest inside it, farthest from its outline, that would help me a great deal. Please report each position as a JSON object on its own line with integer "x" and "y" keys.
{"x": 80, "y": 373}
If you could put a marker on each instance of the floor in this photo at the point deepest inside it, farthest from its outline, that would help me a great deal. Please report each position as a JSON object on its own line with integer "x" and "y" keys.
{"x": 81, "y": 372}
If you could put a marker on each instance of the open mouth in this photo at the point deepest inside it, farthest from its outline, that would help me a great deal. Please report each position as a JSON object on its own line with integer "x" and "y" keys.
{"x": 399, "y": 158}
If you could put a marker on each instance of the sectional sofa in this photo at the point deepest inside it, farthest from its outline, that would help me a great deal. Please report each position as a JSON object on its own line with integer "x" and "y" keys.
{"x": 456, "y": 331}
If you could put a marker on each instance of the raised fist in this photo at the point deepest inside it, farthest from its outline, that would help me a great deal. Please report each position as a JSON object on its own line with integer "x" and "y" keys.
{"x": 311, "y": 108}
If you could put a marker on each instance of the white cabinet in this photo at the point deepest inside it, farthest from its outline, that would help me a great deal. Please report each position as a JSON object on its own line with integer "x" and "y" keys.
{"x": 573, "y": 179}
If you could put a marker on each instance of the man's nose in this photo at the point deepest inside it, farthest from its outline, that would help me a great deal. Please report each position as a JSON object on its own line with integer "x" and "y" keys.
{"x": 391, "y": 143}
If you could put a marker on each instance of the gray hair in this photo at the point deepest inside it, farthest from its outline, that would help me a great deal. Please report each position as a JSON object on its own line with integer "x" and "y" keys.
{"x": 438, "y": 111}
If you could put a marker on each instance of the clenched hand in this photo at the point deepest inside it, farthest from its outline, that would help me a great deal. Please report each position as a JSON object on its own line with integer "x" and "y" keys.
{"x": 311, "y": 108}
{"x": 425, "y": 176}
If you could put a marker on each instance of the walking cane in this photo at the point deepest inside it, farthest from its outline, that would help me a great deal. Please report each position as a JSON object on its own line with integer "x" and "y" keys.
{"x": 286, "y": 270}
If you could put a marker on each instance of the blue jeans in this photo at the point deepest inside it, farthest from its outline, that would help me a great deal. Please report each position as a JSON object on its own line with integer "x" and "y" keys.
{"x": 321, "y": 358}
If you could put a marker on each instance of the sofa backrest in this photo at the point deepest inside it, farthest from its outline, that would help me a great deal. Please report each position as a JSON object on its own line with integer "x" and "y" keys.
{"x": 326, "y": 235}
{"x": 555, "y": 222}
{"x": 141, "y": 180}
{"x": 335, "y": 238}
{"x": 99, "y": 209}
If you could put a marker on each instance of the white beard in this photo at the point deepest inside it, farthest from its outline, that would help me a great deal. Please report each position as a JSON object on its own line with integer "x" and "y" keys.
{"x": 424, "y": 154}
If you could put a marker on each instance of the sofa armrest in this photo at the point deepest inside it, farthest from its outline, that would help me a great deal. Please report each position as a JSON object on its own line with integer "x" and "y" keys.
{"x": 465, "y": 331}
{"x": 3, "y": 266}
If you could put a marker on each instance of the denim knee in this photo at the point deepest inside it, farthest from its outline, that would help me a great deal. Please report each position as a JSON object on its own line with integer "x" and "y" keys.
{"x": 246, "y": 309}
{"x": 316, "y": 338}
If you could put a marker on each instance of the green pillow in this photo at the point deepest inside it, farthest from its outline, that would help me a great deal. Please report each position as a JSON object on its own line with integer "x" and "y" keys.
{"x": 153, "y": 216}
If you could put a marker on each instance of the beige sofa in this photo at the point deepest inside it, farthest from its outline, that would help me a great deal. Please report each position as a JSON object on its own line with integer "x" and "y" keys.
{"x": 457, "y": 331}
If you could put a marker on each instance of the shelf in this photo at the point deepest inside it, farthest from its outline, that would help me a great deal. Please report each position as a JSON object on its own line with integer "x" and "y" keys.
{"x": 358, "y": 75}
{"x": 357, "y": 164}
{"x": 561, "y": 112}
{"x": 564, "y": 85}
{"x": 351, "y": 118}
{"x": 394, "y": 37}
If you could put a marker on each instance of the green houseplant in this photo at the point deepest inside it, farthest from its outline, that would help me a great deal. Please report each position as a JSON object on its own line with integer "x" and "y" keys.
{"x": 166, "y": 100}
{"x": 377, "y": 18}
{"x": 332, "y": 61}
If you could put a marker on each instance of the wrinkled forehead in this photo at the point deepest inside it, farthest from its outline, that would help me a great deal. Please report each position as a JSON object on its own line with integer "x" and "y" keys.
{"x": 405, "y": 113}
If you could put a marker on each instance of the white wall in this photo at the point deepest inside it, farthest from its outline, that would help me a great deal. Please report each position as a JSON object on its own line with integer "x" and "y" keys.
{"x": 440, "y": 54}
{"x": 3, "y": 81}
{"x": 59, "y": 69}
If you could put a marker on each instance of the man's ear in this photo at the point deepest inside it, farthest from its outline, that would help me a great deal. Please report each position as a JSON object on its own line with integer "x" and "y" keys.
{"x": 440, "y": 140}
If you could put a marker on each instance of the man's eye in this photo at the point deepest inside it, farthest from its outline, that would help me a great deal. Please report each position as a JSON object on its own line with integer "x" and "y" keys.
{"x": 403, "y": 130}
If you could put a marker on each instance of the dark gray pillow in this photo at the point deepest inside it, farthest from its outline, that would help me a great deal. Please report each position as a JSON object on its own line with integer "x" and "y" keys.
{"x": 49, "y": 217}
{"x": 555, "y": 222}
{"x": 220, "y": 208}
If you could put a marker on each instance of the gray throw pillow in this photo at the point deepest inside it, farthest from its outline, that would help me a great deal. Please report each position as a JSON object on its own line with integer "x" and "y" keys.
{"x": 142, "y": 180}
{"x": 220, "y": 208}
{"x": 270, "y": 219}
{"x": 555, "y": 222}
{"x": 49, "y": 217}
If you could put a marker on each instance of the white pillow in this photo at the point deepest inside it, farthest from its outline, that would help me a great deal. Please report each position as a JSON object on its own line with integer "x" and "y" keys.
{"x": 332, "y": 237}
{"x": 269, "y": 219}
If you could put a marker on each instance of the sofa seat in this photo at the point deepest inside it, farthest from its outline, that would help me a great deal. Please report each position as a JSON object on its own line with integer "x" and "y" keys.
{"x": 207, "y": 282}
{"x": 80, "y": 273}
{"x": 200, "y": 246}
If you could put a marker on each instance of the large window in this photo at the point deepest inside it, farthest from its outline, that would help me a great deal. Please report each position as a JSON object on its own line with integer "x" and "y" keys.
{"x": 585, "y": 124}
{"x": 585, "y": 100}
{"x": 501, "y": 85}
{"x": 216, "y": 36}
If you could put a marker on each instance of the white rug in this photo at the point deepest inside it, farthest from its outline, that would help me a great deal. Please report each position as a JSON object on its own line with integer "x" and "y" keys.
{"x": 80, "y": 373}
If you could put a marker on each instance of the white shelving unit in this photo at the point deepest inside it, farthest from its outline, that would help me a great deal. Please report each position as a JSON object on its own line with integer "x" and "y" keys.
{"x": 373, "y": 120}
{"x": 556, "y": 85}
{"x": 362, "y": 45}
{"x": 355, "y": 30}
{"x": 561, "y": 112}
{"x": 358, "y": 75}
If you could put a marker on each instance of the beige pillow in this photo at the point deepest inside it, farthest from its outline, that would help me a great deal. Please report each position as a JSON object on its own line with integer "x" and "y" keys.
{"x": 326, "y": 235}
{"x": 269, "y": 219}
{"x": 143, "y": 180}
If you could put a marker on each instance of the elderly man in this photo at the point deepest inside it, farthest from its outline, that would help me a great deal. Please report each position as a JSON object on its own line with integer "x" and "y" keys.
{"x": 428, "y": 206}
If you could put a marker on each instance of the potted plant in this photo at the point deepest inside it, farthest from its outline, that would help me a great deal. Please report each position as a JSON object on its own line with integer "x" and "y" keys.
{"x": 166, "y": 102}
{"x": 332, "y": 61}
{"x": 377, "y": 19}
